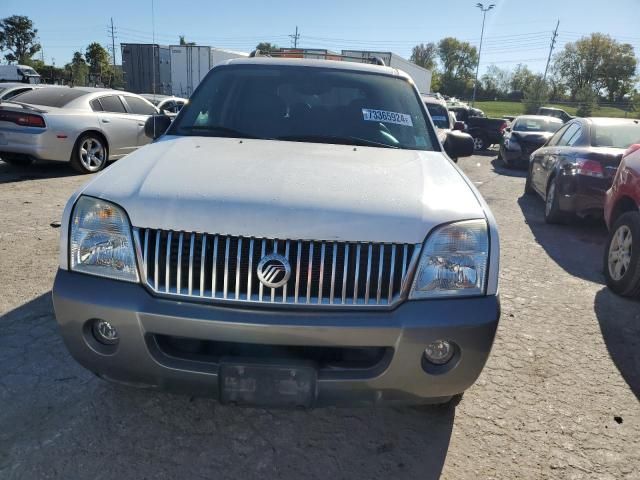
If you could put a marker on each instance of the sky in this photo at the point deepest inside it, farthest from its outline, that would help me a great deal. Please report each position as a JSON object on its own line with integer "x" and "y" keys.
{"x": 516, "y": 31}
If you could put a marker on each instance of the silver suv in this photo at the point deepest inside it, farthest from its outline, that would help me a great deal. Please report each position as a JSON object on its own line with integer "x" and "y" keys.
{"x": 297, "y": 237}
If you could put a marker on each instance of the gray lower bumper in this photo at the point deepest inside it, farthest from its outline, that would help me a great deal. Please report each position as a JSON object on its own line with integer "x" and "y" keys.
{"x": 470, "y": 323}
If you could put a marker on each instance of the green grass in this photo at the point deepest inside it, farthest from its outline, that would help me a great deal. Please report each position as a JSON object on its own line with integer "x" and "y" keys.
{"x": 501, "y": 108}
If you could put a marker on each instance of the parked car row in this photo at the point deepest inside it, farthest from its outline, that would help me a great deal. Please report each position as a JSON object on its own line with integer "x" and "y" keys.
{"x": 82, "y": 125}
{"x": 589, "y": 167}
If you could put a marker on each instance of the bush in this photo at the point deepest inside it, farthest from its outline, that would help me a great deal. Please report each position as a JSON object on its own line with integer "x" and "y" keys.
{"x": 535, "y": 96}
{"x": 587, "y": 102}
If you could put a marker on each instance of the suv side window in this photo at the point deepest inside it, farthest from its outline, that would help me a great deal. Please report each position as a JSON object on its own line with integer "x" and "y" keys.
{"x": 112, "y": 103}
{"x": 569, "y": 134}
{"x": 138, "y": 106}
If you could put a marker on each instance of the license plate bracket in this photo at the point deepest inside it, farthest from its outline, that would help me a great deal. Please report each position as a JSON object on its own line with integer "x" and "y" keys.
{"x": 267, "y": 383}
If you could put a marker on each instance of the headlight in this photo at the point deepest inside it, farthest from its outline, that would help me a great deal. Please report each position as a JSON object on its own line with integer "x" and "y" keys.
{"x": 100, "y": 240}
{"x": 453, "y": 261}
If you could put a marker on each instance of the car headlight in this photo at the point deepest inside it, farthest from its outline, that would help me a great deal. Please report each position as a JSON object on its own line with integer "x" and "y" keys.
{"x": 453, "y": 261}
{"x": 100, "y": 240}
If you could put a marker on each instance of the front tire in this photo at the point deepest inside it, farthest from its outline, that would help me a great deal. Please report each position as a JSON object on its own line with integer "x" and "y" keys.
{"x": 552, "y": 213}
{"x": 622, "y": 256}
{"x": 480, "y": 143}
{"x": 528, "y": 185}
{"x": 90, "y": 154}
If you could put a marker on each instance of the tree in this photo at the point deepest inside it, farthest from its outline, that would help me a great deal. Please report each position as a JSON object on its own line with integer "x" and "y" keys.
{"x": 266, "y": 47}
{"x": 458, "y": 60}
{"x": 18, "y": 36}
{"x": 618, "y": 71}
{"x": 184, "y": 42}
{"x": 520, "y": 79}
{"x": 597, "y": 62}
{"x": 425, "y": 55}
{"x": 78, "y": 70}
{"x": 97, "y": 58}
{"x": 496, "y": 82}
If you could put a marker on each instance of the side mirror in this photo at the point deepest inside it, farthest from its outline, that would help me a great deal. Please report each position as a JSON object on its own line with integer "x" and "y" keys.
{"x": 458, "y": 144}
{"x": 508, "y": 129}
{"x": 156, "y": 125}
{"x": 458, "y": 125}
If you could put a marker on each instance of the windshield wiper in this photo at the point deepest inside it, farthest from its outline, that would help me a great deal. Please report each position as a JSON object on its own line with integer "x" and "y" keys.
{"x": 219, "y": 130}
{"x": 348, "y": 140}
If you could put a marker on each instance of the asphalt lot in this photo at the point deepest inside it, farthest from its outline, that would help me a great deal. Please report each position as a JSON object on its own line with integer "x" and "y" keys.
{"x": 559, "y": 397}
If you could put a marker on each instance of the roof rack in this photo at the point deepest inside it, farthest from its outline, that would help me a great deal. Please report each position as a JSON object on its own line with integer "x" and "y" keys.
{"x": 327, "y": 55}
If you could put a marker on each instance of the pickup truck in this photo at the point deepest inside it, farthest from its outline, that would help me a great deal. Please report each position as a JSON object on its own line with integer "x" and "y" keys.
{"x": 556, "y": 113}
{"x": 485, "y": 131}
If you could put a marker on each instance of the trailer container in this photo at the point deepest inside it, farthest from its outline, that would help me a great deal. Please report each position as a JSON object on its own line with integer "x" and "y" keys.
{"x": 421, "y": 76}
{"x": 146, "y": 68}
{"x": 189, "y": 65}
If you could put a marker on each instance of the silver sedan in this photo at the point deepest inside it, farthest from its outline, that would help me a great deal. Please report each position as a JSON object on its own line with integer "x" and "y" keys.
{"x": 82, "y": 125}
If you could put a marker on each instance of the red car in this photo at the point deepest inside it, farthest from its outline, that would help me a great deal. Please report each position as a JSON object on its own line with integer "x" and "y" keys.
{"x": 622, "y": 214}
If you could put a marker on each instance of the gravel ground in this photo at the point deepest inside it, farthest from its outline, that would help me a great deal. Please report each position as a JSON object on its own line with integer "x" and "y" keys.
{"x": 558, "y": 398}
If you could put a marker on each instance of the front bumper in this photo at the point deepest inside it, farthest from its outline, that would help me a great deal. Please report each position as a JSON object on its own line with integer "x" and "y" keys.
{"x": 138, "y": 316}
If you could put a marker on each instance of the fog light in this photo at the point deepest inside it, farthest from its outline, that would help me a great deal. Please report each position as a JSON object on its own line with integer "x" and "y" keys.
{"x": 439, "y": 352}
{"x": 104, "y": 332}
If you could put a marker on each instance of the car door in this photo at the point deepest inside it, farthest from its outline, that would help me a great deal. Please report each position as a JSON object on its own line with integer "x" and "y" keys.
{"x": 139, "y": 110}
{"x": 538, "y": 161}
{"x": 118, "y": 126}
{"x": 557, "y": 154}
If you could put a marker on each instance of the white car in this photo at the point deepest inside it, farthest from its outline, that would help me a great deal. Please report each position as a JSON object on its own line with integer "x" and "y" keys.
{"x": 9, "y": 90}
{"x": 84, "y": 126}
{"x": 168, "y": 104}
{"x": 298, "y": 237}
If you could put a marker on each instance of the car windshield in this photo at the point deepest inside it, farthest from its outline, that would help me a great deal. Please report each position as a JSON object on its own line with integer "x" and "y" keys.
{"x": 618, "y": 135}
{"x": 298, "y": 103}
{"x": 536, "y": 125}
{"x": 438, "y": 114}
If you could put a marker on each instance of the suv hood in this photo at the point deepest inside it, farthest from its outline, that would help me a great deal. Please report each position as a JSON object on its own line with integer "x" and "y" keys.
{"x": 291, "y": 190}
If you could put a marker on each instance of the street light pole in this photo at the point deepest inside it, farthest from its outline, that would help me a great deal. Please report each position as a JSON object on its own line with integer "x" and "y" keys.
{"x": 484, "y": 11}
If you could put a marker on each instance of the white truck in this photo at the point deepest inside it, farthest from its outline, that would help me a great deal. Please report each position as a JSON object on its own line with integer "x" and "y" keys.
{"x": 421, "y": 76}
{"x": 18, "y": 73}
{"x": 190, "y": 63}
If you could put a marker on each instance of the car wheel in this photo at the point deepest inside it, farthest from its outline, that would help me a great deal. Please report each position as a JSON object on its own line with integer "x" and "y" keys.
{"x": 552, "y": 213}
{"x": 479, "y": 143}
{"x": 528, "y": 187}
{"x": 89, "y": 154}
{"x": 622, "y": 256}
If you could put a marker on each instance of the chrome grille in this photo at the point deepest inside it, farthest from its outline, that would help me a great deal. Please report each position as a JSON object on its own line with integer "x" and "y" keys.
{"x": 223, "y": 268}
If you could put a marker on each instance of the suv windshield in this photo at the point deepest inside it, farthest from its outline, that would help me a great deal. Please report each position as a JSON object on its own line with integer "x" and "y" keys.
{"x": 299, "y": 103}
{"x": 439, "y": 115}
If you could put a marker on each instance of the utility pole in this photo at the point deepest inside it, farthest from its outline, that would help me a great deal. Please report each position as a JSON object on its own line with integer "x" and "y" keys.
{"x": 295, "y": 38}
{"x": 484, "y": 16}
{"x": 113, "y": 45}
{"x": 553, "y": 43}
